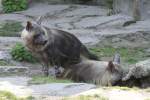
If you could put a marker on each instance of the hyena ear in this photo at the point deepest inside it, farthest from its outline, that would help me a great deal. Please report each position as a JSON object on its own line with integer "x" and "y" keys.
{"x": 116, "y": 58}
{"x": 39, "y": 20}
{"x": 29, "y": 25}
{"x": 111, "y": 66}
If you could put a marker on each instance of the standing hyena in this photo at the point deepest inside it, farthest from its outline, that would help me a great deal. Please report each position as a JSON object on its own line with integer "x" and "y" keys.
{"x": 99, "y": 72}
{"x": 53, "y": 46}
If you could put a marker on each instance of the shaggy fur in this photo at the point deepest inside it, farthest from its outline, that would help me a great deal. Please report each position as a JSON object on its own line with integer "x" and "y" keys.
{"x": 53, "y": 46}
{"x": 98, "y": 72}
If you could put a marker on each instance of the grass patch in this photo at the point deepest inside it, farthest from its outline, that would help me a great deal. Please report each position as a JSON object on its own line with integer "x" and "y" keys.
{"x": 11, "y": 28}
{"x": 124, "y": 88}
{"x": 128, "y": 55}
{"x": 5, "y": 63}
{"x": 95, "y": 97}
{"x": 7, "y": 96}
{"x": 147, "y": 99}
{"x": 4, "y": 95}
{"x": 43, "y": 80}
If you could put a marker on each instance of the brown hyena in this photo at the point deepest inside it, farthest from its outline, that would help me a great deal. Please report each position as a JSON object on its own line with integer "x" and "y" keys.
{"x": 99, "y": 72}
{"x": 54, "y": 46}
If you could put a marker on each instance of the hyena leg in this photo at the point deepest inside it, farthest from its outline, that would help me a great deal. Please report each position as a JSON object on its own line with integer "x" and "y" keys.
{"x": 58, "y": 71}
{"x": 45, "y": 66}
{"x": 45, "y": 69}
{"x": 54, "y": 71}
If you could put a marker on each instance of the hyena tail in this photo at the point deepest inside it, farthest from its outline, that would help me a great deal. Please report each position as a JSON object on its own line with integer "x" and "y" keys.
{"x": 86, "y": 53}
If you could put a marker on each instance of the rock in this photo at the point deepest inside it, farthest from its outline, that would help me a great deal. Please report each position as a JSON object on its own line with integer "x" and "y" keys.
{"x": 119, "y": 93}
{"x": 15, "y": 85}
{"x": 97, "y": 21}
{"x": 116, "y": 40}
{"x": 14, "y": 17}
{"x": 61, "y": 89}
{"x": 42, "y": 9}
{"x": 143, "y": 68}
{"x": 16, "y": 80}
{"x": 135, "y": 8}
{"x": 10, "y": 40}
{"x": 89, "y": 23}
{"x": 6, "y": 43}
{"x": 5, "y": 55}
{"x": 125, "y": 38}
{"x": 139, "y": 72}
{"x": 13, "y": 70}
{"x": 89, "y": 11}
{"x": 88, "y": 37}
{"x": 1, "y": 7}
{"x": 19, "y": 86}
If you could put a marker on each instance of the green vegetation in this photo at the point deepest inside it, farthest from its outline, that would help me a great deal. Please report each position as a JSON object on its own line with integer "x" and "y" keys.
{"x": 82, "y": 97}
{"x": 7, "y": 96}
{"x": 43, "y": 80}
{"x": 147, "y": 99}
{"x": 20, "y": 53}
{"x": 128, "y": 55}
{"x": 14, "y": 5}
{"x": 10, "y": 28}
{"x": 109, "y": 4}
{"x": 84, "y": 1}
{"x": 122, "y": 88}
{"x": 4, "y": 95}
{"x": 5, "y": 63}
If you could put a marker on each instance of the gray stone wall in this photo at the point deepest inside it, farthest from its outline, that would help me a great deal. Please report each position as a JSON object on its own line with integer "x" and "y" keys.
{"x": 139, "y": 9}
{"x": 145, "y": 9}
{"x": 1, "y": 8}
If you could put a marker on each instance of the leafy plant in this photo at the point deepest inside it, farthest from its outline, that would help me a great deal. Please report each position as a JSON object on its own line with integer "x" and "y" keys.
{"x": 20, "y": 53}
{"x": 14, "y": 5}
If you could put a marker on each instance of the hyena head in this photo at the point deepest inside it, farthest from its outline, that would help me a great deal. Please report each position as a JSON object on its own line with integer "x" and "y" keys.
{"x": 34, "y": 33}
{"x": 113, "y": 72}
{"x": 114, "y": 69}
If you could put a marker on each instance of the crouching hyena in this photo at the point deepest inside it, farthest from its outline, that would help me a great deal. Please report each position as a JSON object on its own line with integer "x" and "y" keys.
{"x": 99, "y": 72}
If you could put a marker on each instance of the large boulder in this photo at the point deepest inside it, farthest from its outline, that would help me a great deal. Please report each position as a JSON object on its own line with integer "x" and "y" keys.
{"x": 141, "y": 69}
{"x": 139, "y": 74}
{"x": 13, "y": 70}
{"x": 136, "y": 8}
